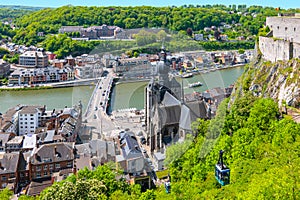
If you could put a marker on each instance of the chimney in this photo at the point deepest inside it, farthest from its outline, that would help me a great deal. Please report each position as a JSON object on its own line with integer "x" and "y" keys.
{"x": 55, "y": 150}
{"x": 74, "y": 169}
{"x": 52, "y": 179}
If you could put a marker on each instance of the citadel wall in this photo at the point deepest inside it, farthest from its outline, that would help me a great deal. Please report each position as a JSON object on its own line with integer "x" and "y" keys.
{"x": 285, "y": 41}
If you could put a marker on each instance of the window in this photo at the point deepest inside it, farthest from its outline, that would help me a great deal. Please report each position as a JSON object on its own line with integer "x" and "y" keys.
{"x": 4, "y": 185}
{"x": 285, "y": 28}
{"x": 69, "y": 164}
{"x": 294, "y": 29}
{"x": 50, "y": 167}
{"x": 57, "y": 165}
{"x": 45, "y": 173}
{"x": 38, "y": 174}
{"x": 21, "y": 122}
{"x": 31, "y": 114}
{"x": 31, "y": 118}
{"x": 45, "y": 167}
{"x": 31, "y": 122}
{"x": 3, "y": 178}
{"x": 38, "y": 168}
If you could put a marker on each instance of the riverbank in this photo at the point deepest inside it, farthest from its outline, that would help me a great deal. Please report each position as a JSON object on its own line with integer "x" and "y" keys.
{"x": 132, "y": 81}
{"x": 65, "y": 84}
{"x": 22, "y": 88}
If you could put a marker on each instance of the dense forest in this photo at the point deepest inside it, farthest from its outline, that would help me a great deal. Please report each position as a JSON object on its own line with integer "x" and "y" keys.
{"x": 11, "y": 13}
{"x": 172, "y": 18}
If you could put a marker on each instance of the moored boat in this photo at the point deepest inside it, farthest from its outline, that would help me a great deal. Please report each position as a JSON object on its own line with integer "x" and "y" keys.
{"x": 196, "y": 84}
{"x": 187, "y": 75}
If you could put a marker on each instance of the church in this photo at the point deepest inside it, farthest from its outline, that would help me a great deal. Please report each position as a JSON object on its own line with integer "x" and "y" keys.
{"x": 168, "y": 116}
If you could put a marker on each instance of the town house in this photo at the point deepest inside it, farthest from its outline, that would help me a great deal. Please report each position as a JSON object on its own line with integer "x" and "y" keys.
{"x": 50, "y": 158}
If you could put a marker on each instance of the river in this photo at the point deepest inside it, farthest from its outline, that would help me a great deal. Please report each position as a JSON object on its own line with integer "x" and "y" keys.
{"x": 131, "y": 95}
{"x": 53, "y": 98}
{"x": 127, "y": 95}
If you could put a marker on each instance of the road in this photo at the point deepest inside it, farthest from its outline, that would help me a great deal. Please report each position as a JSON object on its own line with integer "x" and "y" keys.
{"x": 96, "y": 117}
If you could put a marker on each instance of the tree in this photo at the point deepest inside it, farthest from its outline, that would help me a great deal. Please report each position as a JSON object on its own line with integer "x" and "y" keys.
{"x": 189, "y": 32}
{"x": 6, "y": 194}
{"x": 3, "y": 52}
{"x": 161, "y": 35}
{"x": 241, "y": 51}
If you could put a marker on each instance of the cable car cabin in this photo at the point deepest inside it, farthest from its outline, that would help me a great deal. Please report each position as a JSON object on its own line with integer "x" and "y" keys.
{"x": 168, "y": 187}
{"x": 222, "y": 173}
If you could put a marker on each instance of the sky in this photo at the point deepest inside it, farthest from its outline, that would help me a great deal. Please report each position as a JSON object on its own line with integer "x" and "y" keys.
{"x": 58, "y": 3}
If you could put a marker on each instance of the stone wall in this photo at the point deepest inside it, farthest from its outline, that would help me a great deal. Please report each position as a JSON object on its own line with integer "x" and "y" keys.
{"x": 275, "y": 49}
{"x": 287, "y": 28}
{"x": 296, "y": 50}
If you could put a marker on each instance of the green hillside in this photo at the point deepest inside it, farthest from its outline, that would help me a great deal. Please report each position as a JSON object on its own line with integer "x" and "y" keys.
{"x": 173, "y": 18}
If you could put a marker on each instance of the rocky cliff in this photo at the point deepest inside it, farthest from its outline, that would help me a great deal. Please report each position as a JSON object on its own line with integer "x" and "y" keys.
{"x": 279, "y": 80}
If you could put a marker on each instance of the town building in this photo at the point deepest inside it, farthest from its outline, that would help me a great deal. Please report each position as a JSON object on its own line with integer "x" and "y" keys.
{"x": 4, "y": 69}
{"x": 132, "y": 68}
{"x": 47, "y": 163}
{"x": 70, "y": 29}
{"x": 9, "y": 170}
{"x": 9, "y": 121}
{"x": 4, "y": 138}
{"x": 15, "y": 144}
{"x": 283, "y": 40}
{"x": 30, "y": 119}
{"x": 33, "y": 59}
{"x": 97, "y": 32}
{"x": 94, "y": 153}
{"x": 131, "y": 158}
{"x": 88, "y": 70}
{"x": 41, "y": 75}
{"x": 50, "y": 158}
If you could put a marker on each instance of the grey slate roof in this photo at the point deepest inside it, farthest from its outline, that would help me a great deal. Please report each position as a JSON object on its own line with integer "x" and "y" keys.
{"x": 47, "y": 153}
{"x": 4, "y": 137}
{"x": 185, "y": 118}
{"x": 169, "y": 100}
{"x": 130, "y": 146}
{"x": 9, "y": 162}
{"x": 169, "y": 114}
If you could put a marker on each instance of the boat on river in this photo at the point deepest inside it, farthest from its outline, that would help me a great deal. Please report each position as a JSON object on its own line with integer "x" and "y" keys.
{"x": 187, "y": 75}
{"x": 196, "y": 84}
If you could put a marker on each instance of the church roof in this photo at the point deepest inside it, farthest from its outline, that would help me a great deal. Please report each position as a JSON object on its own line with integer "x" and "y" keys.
{"x": 185, "y": 118}
{"x": 169, "y": 100}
